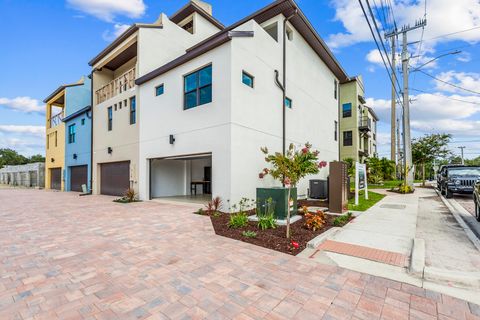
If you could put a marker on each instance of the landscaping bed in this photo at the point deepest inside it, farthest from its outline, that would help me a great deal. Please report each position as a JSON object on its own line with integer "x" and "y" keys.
{"x": 270, "y": 238}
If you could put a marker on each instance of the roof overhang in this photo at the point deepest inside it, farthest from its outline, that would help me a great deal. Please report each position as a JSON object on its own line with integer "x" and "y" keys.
{"x": 76, "y": 114}
{"x": 374, "y": 115}
{"x": 55, "y": 95}
{"x": 190, "y": 8}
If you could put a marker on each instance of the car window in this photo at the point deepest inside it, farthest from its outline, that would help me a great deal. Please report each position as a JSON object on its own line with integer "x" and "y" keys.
{"x": 470, "y": 171}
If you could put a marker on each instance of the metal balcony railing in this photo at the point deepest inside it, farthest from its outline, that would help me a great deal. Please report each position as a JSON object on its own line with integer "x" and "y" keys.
{"x": 365, "y": 123}
{"x": 116, "y": 86}
{"x": 55, "y": 120}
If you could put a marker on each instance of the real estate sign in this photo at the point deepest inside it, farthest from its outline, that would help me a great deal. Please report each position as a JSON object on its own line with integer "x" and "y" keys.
{"x": 360, "y": 180}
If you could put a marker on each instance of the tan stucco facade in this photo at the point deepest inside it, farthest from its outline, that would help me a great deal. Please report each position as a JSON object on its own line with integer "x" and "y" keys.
{"x": 55, "y": 140}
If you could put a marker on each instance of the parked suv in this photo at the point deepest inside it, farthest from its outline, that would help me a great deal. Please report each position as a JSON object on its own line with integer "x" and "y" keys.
{"x": 476, "y": 199}
{"x": 457, "y": 179}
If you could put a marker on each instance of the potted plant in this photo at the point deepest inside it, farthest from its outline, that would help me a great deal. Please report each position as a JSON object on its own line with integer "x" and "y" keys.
{"x": 288, "y": 168}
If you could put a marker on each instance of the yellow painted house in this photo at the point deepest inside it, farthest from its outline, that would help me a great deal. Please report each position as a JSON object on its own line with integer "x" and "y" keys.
{"x": 55, "y": 138}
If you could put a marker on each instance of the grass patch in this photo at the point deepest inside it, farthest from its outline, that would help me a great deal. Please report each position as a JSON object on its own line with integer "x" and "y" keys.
{"x": 364, "y": 204}
{"x": 389, "y": 184}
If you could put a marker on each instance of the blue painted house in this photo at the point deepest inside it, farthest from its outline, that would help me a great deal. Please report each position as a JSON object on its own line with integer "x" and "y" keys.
{"x": 78, "y": 135}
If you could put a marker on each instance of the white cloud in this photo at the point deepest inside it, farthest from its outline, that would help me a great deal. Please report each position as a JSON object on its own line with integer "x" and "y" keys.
{"x": 107, "y": 10}
{"x": 467, "y": 80}
{"x": 23, "y": 104}
{"x": 443, "y": 17}
{"x": 31, "y": 130}
{"x": 452, "y": 126}
{"x": 374, "y": 57}
{"x": 118, "y": 29}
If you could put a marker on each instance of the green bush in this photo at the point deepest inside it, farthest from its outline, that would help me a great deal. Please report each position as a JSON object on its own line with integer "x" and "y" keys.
{"x": 342, "y": 220}
{"x": 267, "y": 221}
{"x": 238, "y": 220}
{"x": 249, "y": 234}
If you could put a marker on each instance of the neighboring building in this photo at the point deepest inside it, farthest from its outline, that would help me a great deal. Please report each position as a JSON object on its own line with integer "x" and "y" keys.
{"x": 30, "y": 175}
{"x": 207, "y": 110}
{"x": 358, "y": 122}
{"x": 116, "y": 108}
{"x": 78, "y": 129}
{"x": 59, "y": 103}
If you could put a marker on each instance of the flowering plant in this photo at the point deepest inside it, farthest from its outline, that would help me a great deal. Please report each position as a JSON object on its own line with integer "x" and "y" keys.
{"x": 292, "y": 166}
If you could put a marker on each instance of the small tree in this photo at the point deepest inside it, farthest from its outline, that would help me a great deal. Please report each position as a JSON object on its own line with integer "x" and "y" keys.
{"x": 428, "y": 148}
{"x": 291, "y": 167}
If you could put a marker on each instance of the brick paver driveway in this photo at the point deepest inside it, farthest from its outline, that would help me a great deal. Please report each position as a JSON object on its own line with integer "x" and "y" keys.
{"x": 69, "y": 257}
{"x": 466, "y": 201}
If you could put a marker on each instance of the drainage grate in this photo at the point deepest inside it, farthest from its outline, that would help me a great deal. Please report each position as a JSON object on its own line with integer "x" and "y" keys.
{"x": 393, "y": 206}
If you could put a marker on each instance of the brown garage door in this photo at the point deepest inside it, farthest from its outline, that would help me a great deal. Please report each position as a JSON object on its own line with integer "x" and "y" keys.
{"x": 78, "y": 176}
{"x": 56, "y": 178}
{"x": 115, "y": 178}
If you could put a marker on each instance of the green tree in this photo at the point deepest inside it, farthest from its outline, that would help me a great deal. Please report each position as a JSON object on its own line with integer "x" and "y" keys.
{"x": 11, "y": 157}
{"x": 428, "y": 148}
{"x": 36, "y": 158}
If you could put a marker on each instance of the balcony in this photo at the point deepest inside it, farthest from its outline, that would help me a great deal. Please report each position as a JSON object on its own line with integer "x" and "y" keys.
{"x": 55, "y": 120}
{"x": 365, "y": 124}
{"x": 116, "y": 86}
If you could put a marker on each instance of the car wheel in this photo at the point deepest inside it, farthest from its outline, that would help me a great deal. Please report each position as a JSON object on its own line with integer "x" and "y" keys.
{"x": 442, "y": 191}
{"x": 477, "y": 211}
{"x": 449, "y": 194}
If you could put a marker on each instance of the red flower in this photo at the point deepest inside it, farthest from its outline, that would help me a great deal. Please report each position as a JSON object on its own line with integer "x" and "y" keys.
{"x": 322, "y": 164}
{"x": 295, "y": 244}
{"x": 266, "y": 170}
{"x": 305, "y": 150}
{"x": 261, "y": 175}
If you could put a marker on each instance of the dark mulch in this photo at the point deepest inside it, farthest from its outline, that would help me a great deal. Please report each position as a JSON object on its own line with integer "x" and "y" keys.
{"x": 271, "y": 238}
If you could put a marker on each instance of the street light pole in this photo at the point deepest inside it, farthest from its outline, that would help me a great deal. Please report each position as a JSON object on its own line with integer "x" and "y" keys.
{"x": 461, "y": 148}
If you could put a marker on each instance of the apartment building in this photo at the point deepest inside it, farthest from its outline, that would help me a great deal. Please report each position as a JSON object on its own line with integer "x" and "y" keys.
{"x": 358, "y": 122}
{"x": 117, "y": 107}
{"x": 205, "y": 113}
{"x": 63, "y": 101}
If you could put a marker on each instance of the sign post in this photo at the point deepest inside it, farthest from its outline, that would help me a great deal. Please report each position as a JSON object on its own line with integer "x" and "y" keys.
{"x": 360, "y": 180}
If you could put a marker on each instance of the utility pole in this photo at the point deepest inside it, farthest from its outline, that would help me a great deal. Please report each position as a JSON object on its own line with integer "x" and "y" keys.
{"x": 393, "y": 118}
{"x": 407, "y": 142}
{"x": 461, "y": 148}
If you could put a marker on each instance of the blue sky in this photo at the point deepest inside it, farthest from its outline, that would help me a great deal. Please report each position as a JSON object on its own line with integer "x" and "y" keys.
{"x": 48, "y": 43}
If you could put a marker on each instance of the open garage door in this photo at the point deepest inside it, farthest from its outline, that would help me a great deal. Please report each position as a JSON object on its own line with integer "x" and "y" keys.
{"x": 78, "y": 177}
{"x": 56, "y": 178}
{"x": 115, "y": 178}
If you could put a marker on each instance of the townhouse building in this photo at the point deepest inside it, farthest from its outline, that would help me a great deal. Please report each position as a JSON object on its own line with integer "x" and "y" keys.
{"x": 63, "y": 101}
{"x": 358, "y": 122}
{"x": 205, "y": 113}
{"x": 117, "y": 106}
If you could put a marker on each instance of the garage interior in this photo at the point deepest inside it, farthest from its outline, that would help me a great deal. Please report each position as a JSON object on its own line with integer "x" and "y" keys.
{"x": 182, "y": 178}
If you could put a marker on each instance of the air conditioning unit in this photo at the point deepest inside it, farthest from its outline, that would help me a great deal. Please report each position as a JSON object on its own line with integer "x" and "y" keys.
{"x": 318, "y": 189}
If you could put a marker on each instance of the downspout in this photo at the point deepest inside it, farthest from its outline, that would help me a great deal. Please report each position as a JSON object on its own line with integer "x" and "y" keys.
{"x": 338, "y": 123}
{"x": 91, "y": 131}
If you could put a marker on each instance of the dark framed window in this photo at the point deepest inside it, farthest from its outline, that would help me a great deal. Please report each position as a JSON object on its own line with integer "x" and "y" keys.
{"x": 347, "y": 138}
{"x": 159, "y": 90}
{"x": 133, "y": 110}
{"x": 288, "y": 102}
{"x": 115, "y": 106}
{"x": 110, "y": 118}
{"x": 71, "y": 133}
{"x": 247, "y": 79}
{"x": 120, "y": 105}
{"x": 83, "y": 121}
{"x": 197, "y": 89}
{"x": 347, "y": 110}
{"x": 335, "y": 88}
{"x": 335, "y": 130}
{"x": 56, "y": 141}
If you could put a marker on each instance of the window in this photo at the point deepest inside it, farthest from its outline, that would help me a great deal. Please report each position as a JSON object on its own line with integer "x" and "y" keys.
{"x": 188, "y": 26}
{"x": 71, "y": 133}
{"x": 347, "y": 110}
{"x": 347, "y": 138}
{"x": 115, "y": 106}
{"x": 289, "y": 33}
{"x": 288, "y": 102}
{"x": 133, "y": 110}
{"x": 48, "y": 141}
{"x": 247, "y": 79}
{"x": 272, "y": 30}
{"x": 335, "y": 88}
{"x": 336, "y": 130}
{"x": 83, "y": 121}
{"x": 159, "y": 90}
{"x": 56, "y": 139}
{"x": 125, "y": 103}
{"x": 120, "y": 105}
{"x": 198, "y": 88}
{"x": 110, "y": 118}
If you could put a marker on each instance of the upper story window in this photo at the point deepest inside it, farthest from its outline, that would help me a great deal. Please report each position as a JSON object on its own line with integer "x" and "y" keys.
{"x": 188, "y": 25}
{"x": 83, "y": 121}
{"x": 110, "y": 118}
{"x": 288, "y": 102}
{"x": 71, "y": 133}
{"x": 347, "y": 138}
{"x": 247, "y": 79}
{"x": 335, "y": 88}
{"x": 335, "y": 135}
{"x": 289, "y": 33}
{"x": 272, "y": 30}
{"x": 198, "y": 88}
{"x": 56, "y": 140}
{"x": 133, "y": 110}
{"x": 347, "y": 110}
{"x": 159, "y": 90}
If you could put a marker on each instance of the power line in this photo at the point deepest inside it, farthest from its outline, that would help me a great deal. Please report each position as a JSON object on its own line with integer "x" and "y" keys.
{"x": 446, "y": 97}
{"x": 452, "y": 33}
{"x": 450, "y": 84}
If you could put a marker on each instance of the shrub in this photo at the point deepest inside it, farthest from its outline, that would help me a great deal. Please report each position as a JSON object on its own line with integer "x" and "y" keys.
{"x": 214, "y": 205}
{"x": 303, "y": 211}
{"x": 238, "y": 220}
{"x": 315, "y": 221}
{"x": 249, "y": 234}
{"x": 200, "y": 211}
{"x": 405, "y": 188}
{"x": 342, "y": 220}
{"x": 130, "y": 195}
{"x": 267, "y": 221}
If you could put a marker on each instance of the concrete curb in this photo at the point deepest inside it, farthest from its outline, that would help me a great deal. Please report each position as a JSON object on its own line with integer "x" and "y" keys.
{"x": 449, "y": 277}
{"x": 417, "y": 259}
{"x": 456, "y": 212}
{"x": 315, "y": 242}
